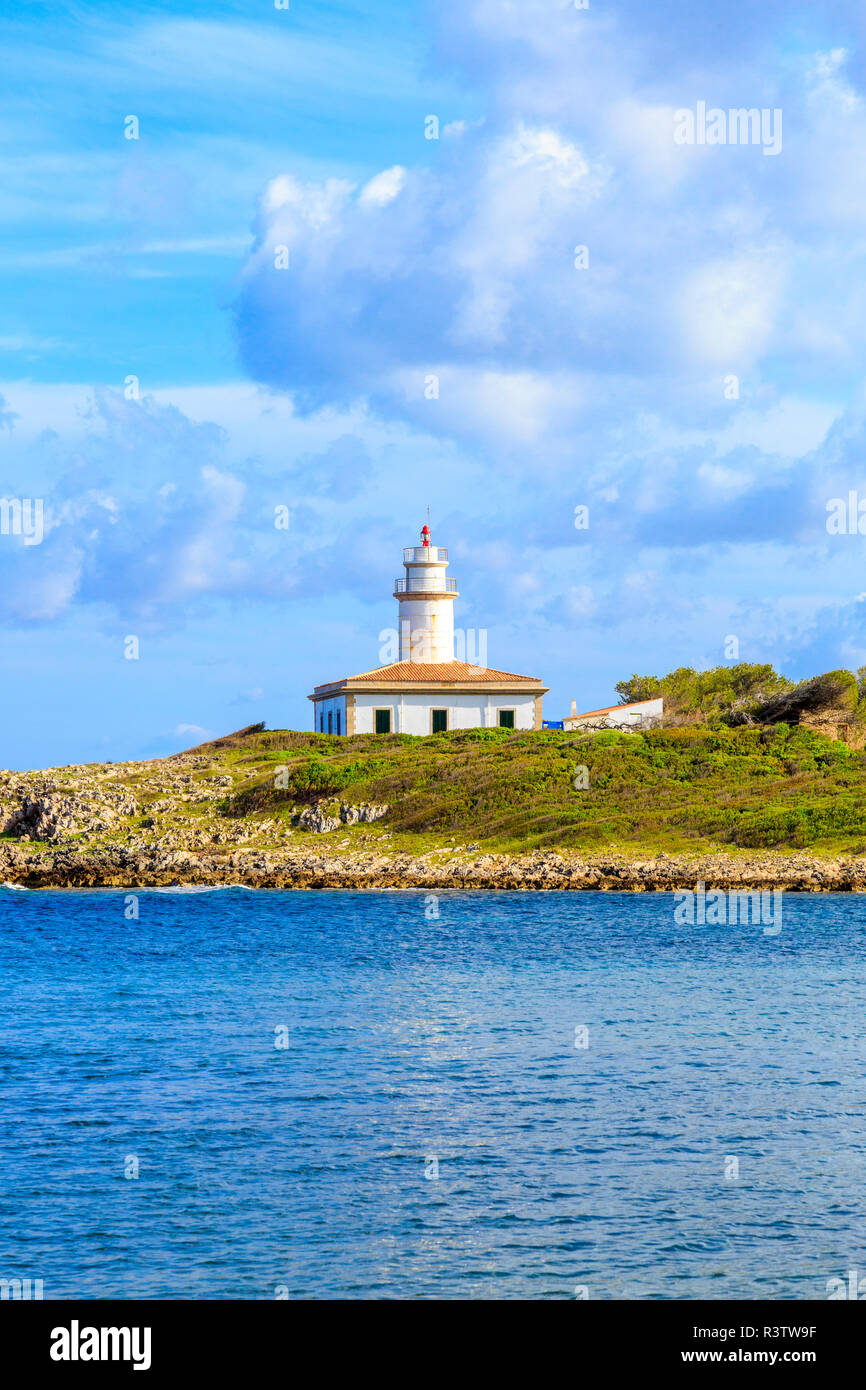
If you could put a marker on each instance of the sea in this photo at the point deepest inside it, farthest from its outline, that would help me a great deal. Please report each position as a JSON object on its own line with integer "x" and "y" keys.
{"x": 494, "y": 1095}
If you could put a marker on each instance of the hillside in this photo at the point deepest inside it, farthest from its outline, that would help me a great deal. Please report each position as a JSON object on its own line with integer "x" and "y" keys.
{"x": 668, "y": 792}
{"x": 667, "y": 788}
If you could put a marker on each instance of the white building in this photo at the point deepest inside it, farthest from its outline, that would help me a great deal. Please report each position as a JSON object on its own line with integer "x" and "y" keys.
{"x": 639, "y": 714}
{"x": 426, "y": 691}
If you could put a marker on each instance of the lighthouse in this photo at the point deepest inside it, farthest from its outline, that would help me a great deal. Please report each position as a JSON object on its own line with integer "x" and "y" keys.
{"x": 426, "y": 692}
{"x": 425, "y": 603}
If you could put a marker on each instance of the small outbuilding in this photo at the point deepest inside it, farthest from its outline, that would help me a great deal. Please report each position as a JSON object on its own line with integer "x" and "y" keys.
{"x": 640, "y": 714}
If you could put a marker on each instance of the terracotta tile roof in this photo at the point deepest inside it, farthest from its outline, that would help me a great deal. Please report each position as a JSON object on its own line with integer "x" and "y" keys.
{"x": 609, "y": 709}
{"x": 427, "y": 672}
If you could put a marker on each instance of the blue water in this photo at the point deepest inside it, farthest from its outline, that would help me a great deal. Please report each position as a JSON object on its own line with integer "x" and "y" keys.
{"x": 308, "y": 1170}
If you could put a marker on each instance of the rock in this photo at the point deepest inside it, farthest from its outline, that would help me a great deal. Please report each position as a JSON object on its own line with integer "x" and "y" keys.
{"x": 352, "y": 815}
{"x": 143, "y": 865}
{"x": 50, "y": 815}
{"x": 314, "y": 818}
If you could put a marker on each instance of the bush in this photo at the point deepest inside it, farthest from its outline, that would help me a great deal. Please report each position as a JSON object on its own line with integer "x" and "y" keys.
{"x": 708, "y": 694}
{"x": 315, "y": 779}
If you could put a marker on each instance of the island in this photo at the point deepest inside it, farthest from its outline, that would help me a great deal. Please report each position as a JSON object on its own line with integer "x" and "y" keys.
{"x": 762, "y": 791}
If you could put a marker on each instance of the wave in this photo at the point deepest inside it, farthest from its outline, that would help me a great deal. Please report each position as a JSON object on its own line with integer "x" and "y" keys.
{"x": 199, "y": 888}
{"x": 15, "y": 887}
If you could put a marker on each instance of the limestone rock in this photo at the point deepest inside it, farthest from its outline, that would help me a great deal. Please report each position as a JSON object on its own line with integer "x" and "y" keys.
{"x": 314, "y": 818}
{"x": 363, "y": 814}
{"x": 50, "y": 814}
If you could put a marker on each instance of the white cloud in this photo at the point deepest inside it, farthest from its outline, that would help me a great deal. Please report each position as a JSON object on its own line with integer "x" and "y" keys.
{"x": 383, "y": 188}
{"x": 726, "y": 483}
{"x": 546, "y": 149}
{"x": 728, "y": 309}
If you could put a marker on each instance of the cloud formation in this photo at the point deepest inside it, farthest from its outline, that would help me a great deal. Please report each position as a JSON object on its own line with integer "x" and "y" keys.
{"x": 566, "y": 244}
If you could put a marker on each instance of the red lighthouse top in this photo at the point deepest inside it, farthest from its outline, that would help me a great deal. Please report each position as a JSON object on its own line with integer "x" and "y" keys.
{"x": 425, "y": 535}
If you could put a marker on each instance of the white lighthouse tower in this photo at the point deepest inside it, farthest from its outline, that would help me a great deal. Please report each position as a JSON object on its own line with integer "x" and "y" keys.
{"x": 425, "y": 603}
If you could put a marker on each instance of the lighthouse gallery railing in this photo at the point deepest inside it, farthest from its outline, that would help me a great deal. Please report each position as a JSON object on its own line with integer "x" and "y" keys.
{"x": 425, "y": 586}
{"x": 417, "y": 554}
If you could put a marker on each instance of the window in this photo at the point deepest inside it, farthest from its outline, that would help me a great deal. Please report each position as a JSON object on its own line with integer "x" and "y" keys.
{"x": 330, "y": 722}
{"x": 338, "y": 721}
{"x": 506, "y": 719}
{"x": 440, "y": 721}
{"x": 383, "y": 721}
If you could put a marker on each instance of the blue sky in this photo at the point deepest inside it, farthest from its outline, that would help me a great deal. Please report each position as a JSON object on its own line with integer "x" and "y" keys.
{"x": 606, "y": 385}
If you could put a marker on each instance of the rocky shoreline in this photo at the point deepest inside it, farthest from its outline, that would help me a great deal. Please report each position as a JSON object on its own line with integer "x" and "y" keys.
{"x": 120, "y": 867}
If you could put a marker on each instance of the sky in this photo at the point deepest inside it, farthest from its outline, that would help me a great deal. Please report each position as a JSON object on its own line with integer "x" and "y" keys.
{"x": 336, "y": 263}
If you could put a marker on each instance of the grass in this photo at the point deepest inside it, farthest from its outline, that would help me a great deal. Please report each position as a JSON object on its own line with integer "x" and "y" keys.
{"x": 680, "y": 789}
